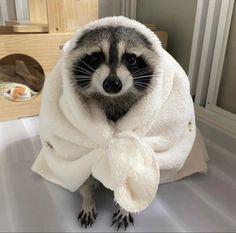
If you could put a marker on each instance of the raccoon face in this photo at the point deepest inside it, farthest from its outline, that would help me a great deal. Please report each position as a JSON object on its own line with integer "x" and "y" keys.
{"x": 111, "y": 62}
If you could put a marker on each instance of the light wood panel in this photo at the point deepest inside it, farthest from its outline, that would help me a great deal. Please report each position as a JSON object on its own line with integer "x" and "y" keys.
{"x": 63, "y": 17}
{"x": 86, "y": 11}
{"x": 38, "y": 11}
{"x": 14, "y": 110}
{"x": 68, "y": 15}
{"x": 45, "y": 48}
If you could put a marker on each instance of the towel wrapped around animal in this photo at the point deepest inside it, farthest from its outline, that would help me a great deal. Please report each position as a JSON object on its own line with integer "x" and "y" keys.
{"x": 147, "y": 146}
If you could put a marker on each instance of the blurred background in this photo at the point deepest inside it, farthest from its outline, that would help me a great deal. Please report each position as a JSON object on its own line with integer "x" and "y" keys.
{"x": 199, "y": 34}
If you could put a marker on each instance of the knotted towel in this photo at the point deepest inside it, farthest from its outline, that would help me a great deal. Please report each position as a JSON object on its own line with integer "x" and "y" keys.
{"x": 148, "y": 145}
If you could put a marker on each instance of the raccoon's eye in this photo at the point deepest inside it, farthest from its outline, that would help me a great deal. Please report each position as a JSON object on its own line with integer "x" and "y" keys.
{"x": 96, "y": 57}
{"x": 132, "y": 60}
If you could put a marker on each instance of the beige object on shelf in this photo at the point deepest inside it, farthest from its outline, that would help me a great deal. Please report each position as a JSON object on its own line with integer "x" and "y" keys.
{"x": 151, "y": 26}
{"x": 163, "y": 35}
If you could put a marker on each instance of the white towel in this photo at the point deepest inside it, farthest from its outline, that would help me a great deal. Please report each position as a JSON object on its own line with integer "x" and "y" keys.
{"x": 148, "y": 145}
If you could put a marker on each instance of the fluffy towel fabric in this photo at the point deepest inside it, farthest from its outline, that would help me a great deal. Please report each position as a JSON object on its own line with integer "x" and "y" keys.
{"x": 147, "y": 146}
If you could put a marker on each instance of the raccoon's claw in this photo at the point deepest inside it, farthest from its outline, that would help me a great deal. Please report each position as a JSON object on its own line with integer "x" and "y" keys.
{"x": 122, "y": 218}
{"x": 87, "y": 218}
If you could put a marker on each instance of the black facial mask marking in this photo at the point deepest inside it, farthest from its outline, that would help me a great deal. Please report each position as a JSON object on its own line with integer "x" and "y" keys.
{"x": 113, "y": 52}
{"x": 140, "y": 70}
{"x": 84, "y": 68}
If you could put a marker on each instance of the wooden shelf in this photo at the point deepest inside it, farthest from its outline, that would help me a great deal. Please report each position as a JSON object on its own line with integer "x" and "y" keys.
{"x": 51, "y": 24}
{"x": 14, "y": 110}
{"x": 31, "y": 28}
{"x": 44, "y": 48}
{"x": 14, "y": 26}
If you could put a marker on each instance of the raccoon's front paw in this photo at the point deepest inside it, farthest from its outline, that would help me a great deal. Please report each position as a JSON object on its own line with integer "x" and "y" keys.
{"x": 87, "y": 216}
{"x": 122, "y": 218}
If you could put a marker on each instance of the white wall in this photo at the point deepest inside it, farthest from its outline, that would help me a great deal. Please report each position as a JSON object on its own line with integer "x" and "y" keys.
{"x": 117, "y": 7}
{"x": 7, "y": 11}
{"x": 177, "y": 17}
{"x": 22, "y": 10}
{"x": 109, "y": 8}
{"x": 227, "y": 91}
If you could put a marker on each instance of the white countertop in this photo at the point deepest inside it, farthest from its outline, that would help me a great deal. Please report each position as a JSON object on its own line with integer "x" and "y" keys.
{"x": 203, "y": 202}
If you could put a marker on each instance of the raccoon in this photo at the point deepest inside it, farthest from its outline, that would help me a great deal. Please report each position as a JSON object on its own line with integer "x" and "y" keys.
{"x": 112, "y": 67}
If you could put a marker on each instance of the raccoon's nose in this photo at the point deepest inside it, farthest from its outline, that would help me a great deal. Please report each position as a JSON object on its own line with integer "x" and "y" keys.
{"x": 112, "y": 85}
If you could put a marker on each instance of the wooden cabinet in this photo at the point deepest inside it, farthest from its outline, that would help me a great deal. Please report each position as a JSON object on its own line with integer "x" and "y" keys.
{"x": 51, "y": 24}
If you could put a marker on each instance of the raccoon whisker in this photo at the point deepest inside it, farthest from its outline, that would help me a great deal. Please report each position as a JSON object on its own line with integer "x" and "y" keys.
{"x": 82, "y": 87}
{"x": 141, "y": 80}
{"x": 83, "y": 80}
{"x": 82, "y": 74}
{"x": 87, "y": 65}
{"x": 83, "y": 70}
{"x": 148, "y": 75}
{"x": 136, "y": 93}
{"x": 142, "y": 70}
{"x": 141, "y": 84}
{"x": 142, "y": 73}
{"x": 80, "y": 77}
{"x": 83, "y": 77}
{"x": 141, "y": 90}
{"x": 145, "y": 81}
{"x": 134, "y": 77}
{"x": 143, "y": 77}
{"x": 88, "y": 72}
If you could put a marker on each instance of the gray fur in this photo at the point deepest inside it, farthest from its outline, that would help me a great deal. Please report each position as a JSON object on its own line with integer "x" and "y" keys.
{"x": 131, "y": 36}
